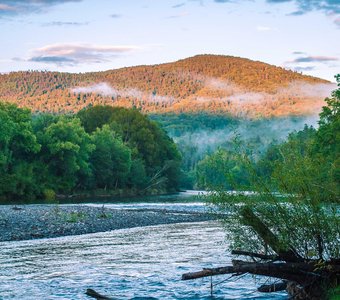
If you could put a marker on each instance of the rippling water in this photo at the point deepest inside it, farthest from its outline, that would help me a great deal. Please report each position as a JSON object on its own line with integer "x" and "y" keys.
{"x": 137, "y": 262}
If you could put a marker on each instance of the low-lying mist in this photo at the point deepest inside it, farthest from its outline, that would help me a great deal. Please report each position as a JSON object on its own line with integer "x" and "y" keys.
{"x": 197, "y": 137}
{"x": 257, "y": 135}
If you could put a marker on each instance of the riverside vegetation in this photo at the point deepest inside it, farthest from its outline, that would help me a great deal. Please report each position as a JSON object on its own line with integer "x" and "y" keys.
{"x": 289, "y": 226}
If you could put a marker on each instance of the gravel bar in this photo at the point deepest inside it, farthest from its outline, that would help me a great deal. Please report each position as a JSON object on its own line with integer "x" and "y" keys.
{"x": 27, "y": 222}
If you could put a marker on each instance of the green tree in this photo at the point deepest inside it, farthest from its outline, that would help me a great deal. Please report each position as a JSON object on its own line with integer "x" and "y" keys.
{"x": 65, "y": 153}
{"x": 150, "y": 146}
{"x": 111, "y": 159}
{"x": 223, "y": 170}
{"x": 95, "y": 117}
{"x": 18, "y": 145}
{"x": 328, "y": 136}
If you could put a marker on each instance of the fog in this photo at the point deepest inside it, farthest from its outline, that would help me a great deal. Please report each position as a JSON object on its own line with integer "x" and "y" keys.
{"x": 256, "y": 135}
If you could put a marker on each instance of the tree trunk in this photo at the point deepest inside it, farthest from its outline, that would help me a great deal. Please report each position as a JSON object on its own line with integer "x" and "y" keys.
{"x": 285, "y": 253}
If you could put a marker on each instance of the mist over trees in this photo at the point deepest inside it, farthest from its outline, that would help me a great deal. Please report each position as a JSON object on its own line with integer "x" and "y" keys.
{"x": 43, "y": 155}
{"x": 204, "y": 137}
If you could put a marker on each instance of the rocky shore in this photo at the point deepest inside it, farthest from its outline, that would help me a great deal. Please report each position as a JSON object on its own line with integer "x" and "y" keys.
{"x": 46, "y": 221}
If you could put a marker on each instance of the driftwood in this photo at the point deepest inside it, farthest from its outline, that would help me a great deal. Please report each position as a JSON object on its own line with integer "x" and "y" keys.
{"x": 275, "y": 287}
{"x": 306, "y": 279}
{"x": 92, "y": 293}
{"x": 298, "y": 272}
{"x": 255, "y": 255}
{"x": 303, "y": 279}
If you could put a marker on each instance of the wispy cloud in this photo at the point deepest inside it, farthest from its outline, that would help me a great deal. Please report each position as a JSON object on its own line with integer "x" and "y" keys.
{"x": 178, "y": 5}
{"x": 15, "y": 7}
{"x": 305, "y": 6}
{"x": 306, "y": 63}
{"x": 60, "y": 23}
{"x": 75, "y": 54}
{"x": 7, "y": 8}
{"x": 106, "y": 90}
{"x": 319, "y": 59}
{"x": 299, "y": 53}
{"x": 304, "y": 69}
{"x": 115, "y": 16}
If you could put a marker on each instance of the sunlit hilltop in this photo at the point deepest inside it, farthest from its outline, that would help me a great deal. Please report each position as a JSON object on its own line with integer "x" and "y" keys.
{"x": 210, "y": 83}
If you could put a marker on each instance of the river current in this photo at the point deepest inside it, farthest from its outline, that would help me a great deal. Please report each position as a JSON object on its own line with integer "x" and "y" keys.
{"x": 127, "y": 263}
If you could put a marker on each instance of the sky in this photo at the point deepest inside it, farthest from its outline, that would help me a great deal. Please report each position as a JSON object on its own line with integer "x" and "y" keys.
{"x": 97, "y": 35}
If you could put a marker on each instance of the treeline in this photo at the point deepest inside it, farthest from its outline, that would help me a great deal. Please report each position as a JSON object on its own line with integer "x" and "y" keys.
{"x": 309, "y": 155}
{"x": 206, "y": 139}
{"x": 229, "y": 170}
{"x": 100, "y": 148}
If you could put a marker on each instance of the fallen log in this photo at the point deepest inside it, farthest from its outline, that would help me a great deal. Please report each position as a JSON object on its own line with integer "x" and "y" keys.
{"x": 255, "y": 255}
{"x": 301, "y": 273}
{"x": 274, "y": 287}
{"x": 208, "y": 273}
{"x": 92, "y": 293}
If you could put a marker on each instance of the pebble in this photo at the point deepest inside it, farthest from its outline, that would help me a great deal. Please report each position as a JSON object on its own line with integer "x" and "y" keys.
{"x": 47, "y": 221}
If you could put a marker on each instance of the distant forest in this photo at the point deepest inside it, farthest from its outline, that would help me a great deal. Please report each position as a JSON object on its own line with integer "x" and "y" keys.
{"x": 201, "y": 136}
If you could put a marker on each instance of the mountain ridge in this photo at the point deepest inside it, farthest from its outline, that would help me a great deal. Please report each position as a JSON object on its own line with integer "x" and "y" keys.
{"x": 210, "y": 83}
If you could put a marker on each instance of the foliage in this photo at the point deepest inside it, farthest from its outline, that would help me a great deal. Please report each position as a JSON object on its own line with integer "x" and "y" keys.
{"x": 111, "y": 159}
{"x": 198, "y": 136}
{"x": 298, "y": 200}
{"x": 18, "y": 144}
{"x": 222, "y": 169}
{"x": 66, "y": 149}
{"x": 209, "y": 83}
{"x": 153, "y": 153}
{"x": 44, "y": 155}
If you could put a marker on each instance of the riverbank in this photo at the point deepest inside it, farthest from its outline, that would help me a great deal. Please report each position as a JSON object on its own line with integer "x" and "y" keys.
{"x": 27, "y": 222}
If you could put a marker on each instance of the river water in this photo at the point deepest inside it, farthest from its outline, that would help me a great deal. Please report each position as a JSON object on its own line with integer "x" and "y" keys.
{"x": 127, "y": 263}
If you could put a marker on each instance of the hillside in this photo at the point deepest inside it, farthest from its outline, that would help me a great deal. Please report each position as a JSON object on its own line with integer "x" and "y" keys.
{"x": 210, "y": 83}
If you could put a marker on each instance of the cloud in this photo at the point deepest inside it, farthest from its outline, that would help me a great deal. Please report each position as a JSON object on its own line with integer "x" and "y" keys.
{"x": 115, "y": 16}
{"x": 60, "y": 23}
{"x": 302, "y": 69}
{"x": 101, "y": 88}
{"x": 320, "y": 90}
{"x": 59, "y": 60}
{"x": 106, "y": 90}
{"x": 15, "y": 7}
{"x": 74, "y": 54}
{"x": 178, "y": 5}
{"x": 296, "y": 13}
{"x": 319, "y": 59}
{"x": 299, "y": 53}
{"x": 7, "y": 8}
{"x": 305, "y": 6}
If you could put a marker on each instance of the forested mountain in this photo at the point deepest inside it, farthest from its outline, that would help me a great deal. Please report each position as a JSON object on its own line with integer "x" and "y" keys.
{"x": 203, "y": 83}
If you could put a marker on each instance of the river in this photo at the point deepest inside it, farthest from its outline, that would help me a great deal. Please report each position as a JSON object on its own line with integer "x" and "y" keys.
{"x": 127, "y": 263}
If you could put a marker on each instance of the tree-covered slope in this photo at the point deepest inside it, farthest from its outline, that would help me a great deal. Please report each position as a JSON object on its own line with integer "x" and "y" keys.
{"x": 208, "y": 83}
